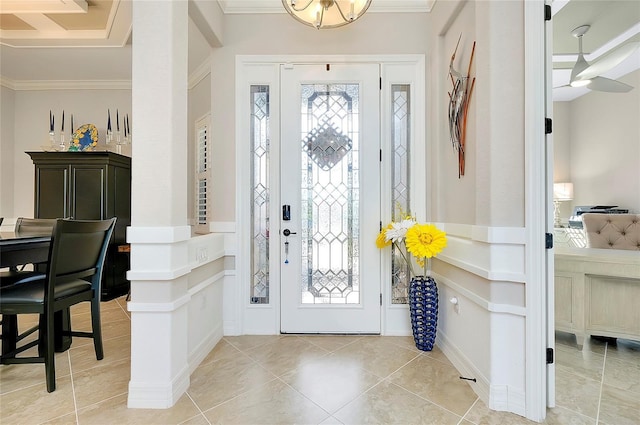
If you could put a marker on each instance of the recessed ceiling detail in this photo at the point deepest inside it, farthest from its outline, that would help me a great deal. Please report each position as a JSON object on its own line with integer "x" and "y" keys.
{"x": 43, "y": 6}
{"x": 65, "y": 23}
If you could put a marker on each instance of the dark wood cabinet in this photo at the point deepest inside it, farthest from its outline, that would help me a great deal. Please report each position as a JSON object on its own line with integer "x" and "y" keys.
{"x": 89, "y": 186}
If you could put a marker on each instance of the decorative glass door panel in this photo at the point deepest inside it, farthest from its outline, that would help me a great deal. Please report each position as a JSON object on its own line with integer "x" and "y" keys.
{"x": 400, "y": 184}
{"x": 329, "y": 194}
{"x": 330, "y": 184}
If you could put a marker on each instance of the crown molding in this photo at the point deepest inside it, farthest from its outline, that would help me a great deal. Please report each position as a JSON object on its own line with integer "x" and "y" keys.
{"x": 17, "y": 85}
{"x": 199, "y": 74}
{"x": 275, "y": 6}
{"x": 66, "y": 84}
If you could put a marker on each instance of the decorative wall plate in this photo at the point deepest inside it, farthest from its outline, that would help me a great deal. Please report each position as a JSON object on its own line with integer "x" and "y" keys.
{"x": 85, "y": 138}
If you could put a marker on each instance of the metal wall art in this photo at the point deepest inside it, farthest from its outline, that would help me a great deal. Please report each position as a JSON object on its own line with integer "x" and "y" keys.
{"x": 459, "y": 106}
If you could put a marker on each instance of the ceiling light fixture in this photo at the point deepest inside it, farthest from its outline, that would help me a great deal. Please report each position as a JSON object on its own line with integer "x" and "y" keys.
{"x": 323, "y": 14}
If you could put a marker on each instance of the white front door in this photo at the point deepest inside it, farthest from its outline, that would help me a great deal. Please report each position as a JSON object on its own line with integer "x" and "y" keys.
{"x": 330, "y": 195}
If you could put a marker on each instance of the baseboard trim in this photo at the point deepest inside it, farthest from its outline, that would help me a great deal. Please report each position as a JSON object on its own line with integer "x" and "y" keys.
{"x": 481, "y": 387}
{"x": 497, "y": 397}
{"x": 155, "y": 395}
{"x": 204, "y": 348}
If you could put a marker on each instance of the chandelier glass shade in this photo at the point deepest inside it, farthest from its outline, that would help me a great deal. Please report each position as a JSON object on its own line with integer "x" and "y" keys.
{"x": 323, "y": 14}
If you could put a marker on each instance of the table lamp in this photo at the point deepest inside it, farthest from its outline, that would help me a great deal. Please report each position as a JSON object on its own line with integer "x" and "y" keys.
{"x": 561, "y": 192}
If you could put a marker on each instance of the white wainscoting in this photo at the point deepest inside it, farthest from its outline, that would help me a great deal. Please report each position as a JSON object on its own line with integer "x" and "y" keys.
{"x": 483, "y": 335}
{"x": 177, "y": 312}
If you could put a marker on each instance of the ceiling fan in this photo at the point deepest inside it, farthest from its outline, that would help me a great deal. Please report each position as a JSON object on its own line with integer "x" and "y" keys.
{"x": 585, "y": 75}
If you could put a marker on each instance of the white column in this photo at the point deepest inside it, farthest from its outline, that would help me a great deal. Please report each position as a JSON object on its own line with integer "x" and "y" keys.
{"x": 159, "y": 232}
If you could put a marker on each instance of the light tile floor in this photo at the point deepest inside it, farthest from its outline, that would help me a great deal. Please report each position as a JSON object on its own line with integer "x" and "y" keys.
{"x": 312, "y": 380}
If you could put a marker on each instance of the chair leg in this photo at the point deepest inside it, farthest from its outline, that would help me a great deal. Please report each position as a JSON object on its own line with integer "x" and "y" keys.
{"x": 49, "y": 358}
{"x": 62, "y": 323}
{"x": 9, "y": 333}
{"x": 96, "y": 328}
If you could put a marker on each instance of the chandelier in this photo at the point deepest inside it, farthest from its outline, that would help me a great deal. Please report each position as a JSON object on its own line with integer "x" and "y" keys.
{"x": 322, "y": 14}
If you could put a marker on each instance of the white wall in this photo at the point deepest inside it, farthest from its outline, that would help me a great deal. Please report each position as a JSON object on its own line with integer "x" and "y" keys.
{"x": 495, "y": 122}
{"x": 7, "y": 118}
{"x": 562, "y": 152}
{"x": 31, "y": 108}
{"x": 484, "y": 211}
{"x": 176, "y": 308}
{"x": 598, "y": 147}
{"x": 77, "y": 64}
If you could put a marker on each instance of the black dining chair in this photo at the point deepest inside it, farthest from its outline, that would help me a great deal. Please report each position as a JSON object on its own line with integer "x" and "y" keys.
{"x": 28, "y": 227}
{"x": 34, "y": 226}
{"x": 74, "y": 273}
{"x": 17, "y": 274}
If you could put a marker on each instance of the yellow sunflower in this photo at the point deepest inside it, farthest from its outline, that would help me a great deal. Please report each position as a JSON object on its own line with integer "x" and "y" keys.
{"x": 425, "y": 241}
{"x": 381, "y": 240}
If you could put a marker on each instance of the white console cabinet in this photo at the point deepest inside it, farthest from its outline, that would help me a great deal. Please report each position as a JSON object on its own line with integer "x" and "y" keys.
{"x": 597, "y": 292}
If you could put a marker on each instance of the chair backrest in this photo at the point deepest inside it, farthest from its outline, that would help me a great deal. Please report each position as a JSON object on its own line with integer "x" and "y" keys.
{"x": 34, "y": 226}
{"x": 612, "y": 231}
{"x": 77, "y": 251}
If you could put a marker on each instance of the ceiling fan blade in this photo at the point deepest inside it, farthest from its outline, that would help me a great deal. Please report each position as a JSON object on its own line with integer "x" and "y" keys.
{"x": 608, "y": 85}
{"x": 609, "y": 62}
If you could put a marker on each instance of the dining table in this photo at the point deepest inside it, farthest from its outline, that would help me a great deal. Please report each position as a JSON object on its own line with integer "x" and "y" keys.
{"x": 17, "y": 249}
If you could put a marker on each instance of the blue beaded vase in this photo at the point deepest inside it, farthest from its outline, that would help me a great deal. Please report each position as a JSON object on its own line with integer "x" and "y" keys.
{"x": 423, "y": 306}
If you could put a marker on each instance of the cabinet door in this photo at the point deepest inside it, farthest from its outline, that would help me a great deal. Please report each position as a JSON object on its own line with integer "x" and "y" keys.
{"x": 52, "y": 191}
{"x": 87, "y": 192}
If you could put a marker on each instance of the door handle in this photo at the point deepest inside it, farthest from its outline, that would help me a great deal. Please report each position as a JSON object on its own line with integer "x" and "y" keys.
{"x": 288, "y": 232}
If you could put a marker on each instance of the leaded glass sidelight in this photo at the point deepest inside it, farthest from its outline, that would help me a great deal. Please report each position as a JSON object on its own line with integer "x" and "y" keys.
{"x": 330, "y": 194}
{"x": 400, "y": 183}
{"x": 260, "y": 194}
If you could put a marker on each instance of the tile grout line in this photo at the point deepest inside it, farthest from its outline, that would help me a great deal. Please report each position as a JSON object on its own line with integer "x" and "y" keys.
{"x": 126, "y": 312}
{"x": 73, "y": 388}
{"x": 604, "y": 363}
{"x": 310, "y": 341}
{"x": 463, "y": 418}
{"x": 311, "y": 401}
{"x": 388, "y": 380}
{"x": 197, "y": 407}
{"x": 275, "y": 377}
{"x": 279, "y": 377}
{"x": 235, "y": 397}
{"x": 73, "y": 395}
{"x": 102, "y": 401}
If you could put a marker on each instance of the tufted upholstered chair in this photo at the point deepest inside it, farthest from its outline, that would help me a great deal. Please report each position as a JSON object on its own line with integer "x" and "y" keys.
{"x": 612, "y": 231}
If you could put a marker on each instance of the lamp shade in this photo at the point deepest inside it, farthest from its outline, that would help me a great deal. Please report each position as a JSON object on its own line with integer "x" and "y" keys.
{"x": 323, "y": 14}
{"x": 563, "y": 191}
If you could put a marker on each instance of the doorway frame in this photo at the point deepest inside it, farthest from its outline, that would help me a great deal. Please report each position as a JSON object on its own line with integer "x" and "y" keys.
{"x": 538, "y": 205}
{"x": 264, "y": 319}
